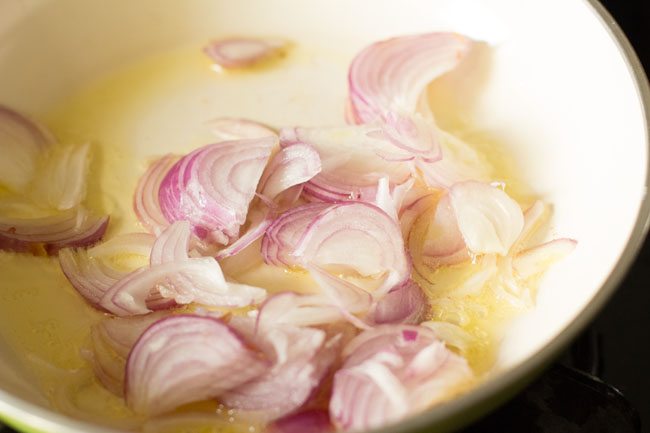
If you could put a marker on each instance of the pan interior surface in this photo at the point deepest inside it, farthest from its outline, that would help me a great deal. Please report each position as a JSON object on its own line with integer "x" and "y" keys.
{"x": 553, "y": 90}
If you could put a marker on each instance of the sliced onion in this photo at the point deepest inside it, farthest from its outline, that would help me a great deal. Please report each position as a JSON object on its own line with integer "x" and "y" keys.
{"x": 453, "y": 335}
{"x": 112, "y": 339}
{"x": 202, "y": 282}
{"x": 404, "y": 304}
{"x": 392, "y": 371}
{"x": 172, "y": 245}
{"x": 184, "y": 358}
{"x": 260, "y": 221}
{"x": 242, "y": 52}
{"x": 301, "y": 359}
{"x": 286, "y": 231}
{"x": 353, "y": 160}
{"x": 390, "y": 75}
{"x": 391, "y": 201}
{"x": 537, "y": 259}
{"x": 145, "y": 199}
{"x": 228, "y": 128}
{"x": 460, "y": 162}
{"x": 293, "y": 309}
{"x": 292, "y": 165}
{"x": 307, "y": 421}
{"x": 213, "y": 186}
{"x": 61, "y": 183}
{"x": 21, "y": 142}
{"x": 341, "y": 293}
{"x": 443, "y": 241}
{"x": 330, "y": 236}
{"x": 47, "y": 235}
{"x": 488, "y": 219}
{"x": 91, "y": 271}
{"x": 289, "y": 169}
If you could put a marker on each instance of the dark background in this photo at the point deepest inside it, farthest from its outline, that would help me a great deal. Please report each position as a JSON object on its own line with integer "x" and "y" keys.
{"x": 621, "y": 333}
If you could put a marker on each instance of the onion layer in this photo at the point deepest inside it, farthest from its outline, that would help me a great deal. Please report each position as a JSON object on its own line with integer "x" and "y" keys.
{"x": 390, "y": 372}
{"x": 242, "y": 52}
{"x": 213, "y": 186}
{"x": 301, "y": 357}
{"x": 61, "y": 183}
{"x": 21, "y": 142}
{"x": 489, "y": 220}
{"x": 330, "y": 236}
{"x": 182, "y": 359}
{"x": 47, "y": 235}
{"x": 390, "y": 75}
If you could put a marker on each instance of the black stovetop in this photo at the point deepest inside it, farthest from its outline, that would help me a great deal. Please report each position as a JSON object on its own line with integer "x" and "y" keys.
{"x": 602, "y": 383}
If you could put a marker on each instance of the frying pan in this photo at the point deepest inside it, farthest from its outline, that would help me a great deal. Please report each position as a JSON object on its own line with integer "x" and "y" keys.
{"x": 560, "y": 88}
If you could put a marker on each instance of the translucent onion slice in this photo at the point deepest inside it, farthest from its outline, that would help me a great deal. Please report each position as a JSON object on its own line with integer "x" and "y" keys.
{"x": 390, "y": 75}
{"x": 443, "y": 242}
{"x": 93, "y": 271}
{"x": 292, "y": 165}
{"x": 178, "y": 277}
{"x": 293, "y": 309}
{"x": 301, "y": 358}
{"x": 538, "y": 259}
{"x": 194, "y": 280}
{"x": 21, "y": 142}
{"x": 390, "y": 372}
{"x": 460, "y": 162}
{"x": 61, "y": 183}
{"x": 47, "y": 235}
{"x": 145, "y": 199}
{"x": 330, "y": 236}
{"x": 112, "y": 339}
{"x": 185, "y": 358}
{"x": 488, "y": 219}
{"x": 353, "y": 160}
{"x": 242, "y": 52}
{"x": 213, "y": 186}
{"x": 307, "y": 421}
{"x": 341, "y": 293}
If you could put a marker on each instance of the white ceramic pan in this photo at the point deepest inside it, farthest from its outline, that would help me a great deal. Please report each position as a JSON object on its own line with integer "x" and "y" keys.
{"x": 562, "y": 90}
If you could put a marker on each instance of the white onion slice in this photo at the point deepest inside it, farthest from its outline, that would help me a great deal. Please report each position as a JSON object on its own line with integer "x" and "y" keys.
{"x": 172, "y": 277}
{"x": 182, "y": 359}
{"x": 91, "y": 272}
{"x": 61, "y": 183}
{"x": 392, "y": 371}
{"x": 443, "y": 242}
{"x": 489, "y": 220}
{"x": 242, "y": 52}
{"x": 341, "y": 293}
{"x": 292, "y": 165}
{"x": 22, "y": 141}
{"x": 537, "y": 259}
{"x": 460, "y": 162}
{"x": 47, "y": 235}
{"x": 213, "y": 186}
{"x": 293, "y": 309}
{"x": 202, "y": 282}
